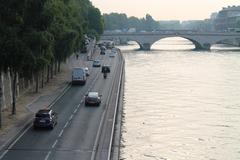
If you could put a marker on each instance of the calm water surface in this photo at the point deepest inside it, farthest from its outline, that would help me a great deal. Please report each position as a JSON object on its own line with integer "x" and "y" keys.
{"x": 181, "y": 104}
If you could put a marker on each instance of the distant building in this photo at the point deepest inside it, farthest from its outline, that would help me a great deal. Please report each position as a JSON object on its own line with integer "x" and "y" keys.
{"x": 228, "y": 19}
{"x": 198, "y": 25}
{"x": 214, "y": 16}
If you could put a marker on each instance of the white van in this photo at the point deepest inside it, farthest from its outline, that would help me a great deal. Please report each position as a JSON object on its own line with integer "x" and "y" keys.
{"x": 79, "y": 76}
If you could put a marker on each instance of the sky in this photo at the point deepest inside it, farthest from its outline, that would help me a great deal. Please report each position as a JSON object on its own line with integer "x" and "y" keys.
{"x": 165, "y": 9}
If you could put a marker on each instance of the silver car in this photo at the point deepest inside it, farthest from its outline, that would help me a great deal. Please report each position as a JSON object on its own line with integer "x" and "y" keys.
{"x": 96, "y": 63}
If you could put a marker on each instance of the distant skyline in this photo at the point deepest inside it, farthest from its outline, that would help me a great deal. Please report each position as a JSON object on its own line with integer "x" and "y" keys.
{"x": 165, "y": 9}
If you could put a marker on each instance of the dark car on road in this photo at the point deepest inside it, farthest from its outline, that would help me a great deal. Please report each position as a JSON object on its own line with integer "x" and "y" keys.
{"x": 45, "y": 118}
{"x": 103, "y": 50}
{"x": 92, "y": 99}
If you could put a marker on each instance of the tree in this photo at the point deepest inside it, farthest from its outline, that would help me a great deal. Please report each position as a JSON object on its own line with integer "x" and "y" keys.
{"x": 95, "y": 22}
{"x": 114, "y": 21}
{"x": 40, "y": 33}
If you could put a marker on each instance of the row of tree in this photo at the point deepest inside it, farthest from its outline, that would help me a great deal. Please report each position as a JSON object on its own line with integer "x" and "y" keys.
{"x": 120, "y": 21}
{"x": 40, "y": 34}
{"x": 115, "y": 21}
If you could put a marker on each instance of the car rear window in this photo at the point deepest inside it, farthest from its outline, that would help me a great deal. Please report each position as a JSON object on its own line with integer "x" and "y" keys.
{"x": 42, "y": 115}
{"x": 93, "y": 94}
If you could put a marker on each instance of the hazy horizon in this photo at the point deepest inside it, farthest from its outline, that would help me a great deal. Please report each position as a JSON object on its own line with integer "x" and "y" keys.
{"x": 165, "y": 10}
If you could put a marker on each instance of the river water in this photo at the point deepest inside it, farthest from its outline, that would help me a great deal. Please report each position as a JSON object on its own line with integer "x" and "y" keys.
{"x": 181, "y": 104}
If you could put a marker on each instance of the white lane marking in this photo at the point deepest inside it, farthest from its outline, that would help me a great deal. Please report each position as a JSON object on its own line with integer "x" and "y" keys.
{"x": 75, "y": 110}
{"x": 98, "y": 135}
{"x": 60, "y": 134}
{"x": 4, "y": 153}
{"x": 15, "y": 141}
{"x": 47, "y": 156}
{"x": 66, "y": 125}
{"x": 70, "y": 118}
{"x": 54, "y": 144}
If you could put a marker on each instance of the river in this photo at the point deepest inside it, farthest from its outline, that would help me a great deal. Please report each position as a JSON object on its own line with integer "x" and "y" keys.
{"x": 181, "y": 104}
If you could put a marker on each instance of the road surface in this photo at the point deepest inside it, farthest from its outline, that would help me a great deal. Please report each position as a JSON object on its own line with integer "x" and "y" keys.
{"x": 78, "y": 132}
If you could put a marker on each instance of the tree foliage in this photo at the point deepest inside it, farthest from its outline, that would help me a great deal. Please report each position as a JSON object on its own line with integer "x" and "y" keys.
{"x": 38, "y": 33}
{"x": 120, "y": 21}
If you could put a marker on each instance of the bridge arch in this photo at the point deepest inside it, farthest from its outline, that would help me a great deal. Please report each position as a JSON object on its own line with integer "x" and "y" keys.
{"x": 146, "y": 44}
{"x": 142, "y": 46}
{"x": 195, "y": 43}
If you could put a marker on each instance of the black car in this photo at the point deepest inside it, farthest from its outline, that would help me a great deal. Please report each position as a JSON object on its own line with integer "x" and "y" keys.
{"x": 92, "y": 99}
{"x": 45, "y": 118}
{"x": 102, "y": 52}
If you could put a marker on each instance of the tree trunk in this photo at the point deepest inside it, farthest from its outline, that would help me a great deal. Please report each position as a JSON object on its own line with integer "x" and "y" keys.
{"x": 10, "y": 86}
{"x": 51, "y": 70}
{"x": 1, "y": 98}
{"x": 37, "y": 82}
{"x": 42, "y": 83}
{"x": 17, "y": 86}
{"x": 14, "y": 88}
{"x": 59, "y": 66}
{"x": 3, "y": 90}
{"x": 48, "y": 73}
{"x": 55, "y": 68}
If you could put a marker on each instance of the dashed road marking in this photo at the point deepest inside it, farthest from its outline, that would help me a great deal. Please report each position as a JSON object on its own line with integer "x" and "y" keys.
{"x": 47, "y": 156}
{"x": 54, "y": 144}
{"x": 75, "y": 110}
{"x": 70, "y": 118}
{"x": 60, "y": 134}
{"x": 66, "y": 125}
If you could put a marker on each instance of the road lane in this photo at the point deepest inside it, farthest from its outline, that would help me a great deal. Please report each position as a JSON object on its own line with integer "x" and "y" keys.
{"x": 77, "y": 125}
{"x": 79, "y": 139}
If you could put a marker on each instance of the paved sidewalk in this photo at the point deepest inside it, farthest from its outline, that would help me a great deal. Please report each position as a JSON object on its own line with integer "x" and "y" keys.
{"x": 29, "y": 103}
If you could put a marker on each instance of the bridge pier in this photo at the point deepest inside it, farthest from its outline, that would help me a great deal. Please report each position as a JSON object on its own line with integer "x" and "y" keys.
{"x": 205, "y": 46}
{"x": 145, "y": 46}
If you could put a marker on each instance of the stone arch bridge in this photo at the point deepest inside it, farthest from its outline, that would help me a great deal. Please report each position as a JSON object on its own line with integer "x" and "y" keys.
{"x": 201, "y": 40}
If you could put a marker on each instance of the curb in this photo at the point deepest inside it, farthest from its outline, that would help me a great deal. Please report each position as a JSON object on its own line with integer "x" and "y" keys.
{"x": 117, "y": 135}
{"x": 111, "y": 154}
{"x": 12, "y": 140}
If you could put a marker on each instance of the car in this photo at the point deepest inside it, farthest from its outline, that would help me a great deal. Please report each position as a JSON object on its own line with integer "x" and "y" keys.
{"x": 92, "y": 99}
{"x": 102, "y": 52}
{"x": 45, "y": 118}
{"x": 87, "y": 71}
{"x": 112, "y": 54}
{"x": 96, "y": 63}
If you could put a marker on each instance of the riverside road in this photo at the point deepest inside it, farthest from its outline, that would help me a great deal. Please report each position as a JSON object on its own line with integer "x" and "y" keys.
{"x": 80, "y": 129}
